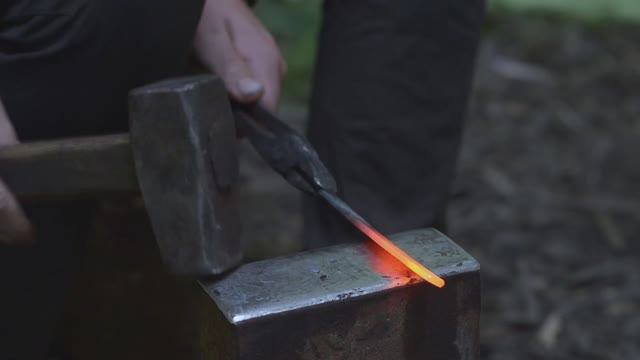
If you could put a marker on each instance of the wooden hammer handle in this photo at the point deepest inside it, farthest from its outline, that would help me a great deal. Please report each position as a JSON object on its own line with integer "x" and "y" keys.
{"x": 69, "y": 167}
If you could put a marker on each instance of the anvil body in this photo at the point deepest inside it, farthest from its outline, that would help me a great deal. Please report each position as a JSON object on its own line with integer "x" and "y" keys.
{"x": 348, "y": 302}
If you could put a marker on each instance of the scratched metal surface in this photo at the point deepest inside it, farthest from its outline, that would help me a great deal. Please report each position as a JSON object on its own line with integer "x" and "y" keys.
{"x": 331, "y": 274}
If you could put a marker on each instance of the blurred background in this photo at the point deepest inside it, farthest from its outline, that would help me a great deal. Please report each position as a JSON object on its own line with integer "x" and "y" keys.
{"x": 548, "y": 190}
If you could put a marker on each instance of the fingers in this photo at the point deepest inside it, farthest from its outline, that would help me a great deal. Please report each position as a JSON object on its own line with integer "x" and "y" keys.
{"x": 262, "y": 57}
{"x": 271, "y": 76}
{"x": 7, "y": 133}
{"x": 243, "y": 85}
{"x": 15, "y": 229}
{"x": 232, "y": 42}
{"x": 216, "y": 51}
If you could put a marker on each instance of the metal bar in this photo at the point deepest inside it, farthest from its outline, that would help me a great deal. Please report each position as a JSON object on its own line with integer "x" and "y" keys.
{"x": 350, "y": 301}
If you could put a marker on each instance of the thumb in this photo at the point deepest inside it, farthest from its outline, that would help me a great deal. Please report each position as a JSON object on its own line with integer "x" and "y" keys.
{"x": 238, "y": 77}
{"x": 7, "y": 133}
{"x": 14, "y": 226}
{"x": 215, "y": 48}
{"x": 243, "y": 88}
{"x": 15, "y": 229}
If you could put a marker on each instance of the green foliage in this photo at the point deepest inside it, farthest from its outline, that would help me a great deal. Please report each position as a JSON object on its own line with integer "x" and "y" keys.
{"x": 593, "y": 11}
{"x": 295, "y": 24}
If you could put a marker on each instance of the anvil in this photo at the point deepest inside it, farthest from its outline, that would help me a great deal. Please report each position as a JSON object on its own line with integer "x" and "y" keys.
{"x": 347, "y": 302}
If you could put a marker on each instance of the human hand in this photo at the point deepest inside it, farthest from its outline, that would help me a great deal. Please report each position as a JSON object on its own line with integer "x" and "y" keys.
{"x": 231, "y": 42}
{"x": 15, "y": 229}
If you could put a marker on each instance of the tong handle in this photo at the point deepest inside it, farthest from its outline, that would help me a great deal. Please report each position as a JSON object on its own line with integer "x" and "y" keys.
{"x": 284, "y": 149}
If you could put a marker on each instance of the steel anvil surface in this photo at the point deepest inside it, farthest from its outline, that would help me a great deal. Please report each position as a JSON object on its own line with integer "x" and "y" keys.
{"x": 347, "y": 302}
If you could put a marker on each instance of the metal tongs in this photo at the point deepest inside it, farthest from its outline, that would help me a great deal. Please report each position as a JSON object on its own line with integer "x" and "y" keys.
{"x": 284, "y": 149}
{"x": 291, "y": 155}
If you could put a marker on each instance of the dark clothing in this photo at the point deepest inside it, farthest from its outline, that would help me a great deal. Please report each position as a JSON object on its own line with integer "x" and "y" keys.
{"x": 65, "y": 69}
{"x": 66, "y": 66}
{"x": 390, "y": 94}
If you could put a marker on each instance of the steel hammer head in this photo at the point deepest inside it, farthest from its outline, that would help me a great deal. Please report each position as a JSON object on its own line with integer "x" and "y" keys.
{"x": 183, "y": 141}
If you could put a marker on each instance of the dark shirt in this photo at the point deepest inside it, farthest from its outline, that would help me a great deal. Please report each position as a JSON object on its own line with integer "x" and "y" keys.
{"x": 66, "y": 65}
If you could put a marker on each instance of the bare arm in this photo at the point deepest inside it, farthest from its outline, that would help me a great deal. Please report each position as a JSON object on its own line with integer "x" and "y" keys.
{"x": 14, "y": 226}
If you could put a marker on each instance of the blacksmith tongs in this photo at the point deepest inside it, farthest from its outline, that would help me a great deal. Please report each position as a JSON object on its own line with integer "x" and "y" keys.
{"x": 291, "y": 155}
{"x": 284, "y": 149}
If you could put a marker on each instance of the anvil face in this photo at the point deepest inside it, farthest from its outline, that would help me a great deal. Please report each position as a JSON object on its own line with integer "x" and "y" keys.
{"x": 348, "y": 301}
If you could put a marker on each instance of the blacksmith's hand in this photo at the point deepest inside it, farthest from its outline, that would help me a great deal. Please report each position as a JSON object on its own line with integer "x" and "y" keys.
{"x": 15, "y": 229}
{"x": 231, "y": 42}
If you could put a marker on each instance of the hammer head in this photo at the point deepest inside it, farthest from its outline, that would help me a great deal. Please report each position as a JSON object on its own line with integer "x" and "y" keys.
{"x": 183, "y": 141}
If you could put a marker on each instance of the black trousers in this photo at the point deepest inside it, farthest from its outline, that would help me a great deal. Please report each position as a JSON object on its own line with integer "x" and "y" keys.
{"x": 391, "y": 86}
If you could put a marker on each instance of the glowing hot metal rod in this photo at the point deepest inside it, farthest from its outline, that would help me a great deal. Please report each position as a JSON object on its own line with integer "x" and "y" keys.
{"x": 382, "y": 240}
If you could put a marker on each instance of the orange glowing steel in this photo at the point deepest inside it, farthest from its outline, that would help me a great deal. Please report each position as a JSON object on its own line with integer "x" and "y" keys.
{"x": 393, "y": 271}
{"x": 400, "y": 255}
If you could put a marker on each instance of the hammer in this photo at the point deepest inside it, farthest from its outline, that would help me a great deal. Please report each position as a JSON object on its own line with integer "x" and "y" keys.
{"x": 180, "y": 155}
